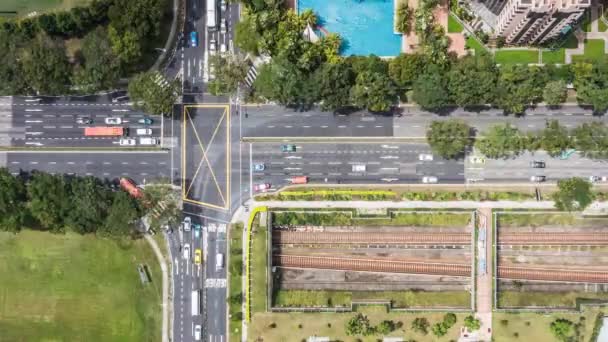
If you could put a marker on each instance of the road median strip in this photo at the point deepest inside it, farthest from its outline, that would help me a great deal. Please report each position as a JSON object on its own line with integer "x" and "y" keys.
{"x": 384, "y": 139}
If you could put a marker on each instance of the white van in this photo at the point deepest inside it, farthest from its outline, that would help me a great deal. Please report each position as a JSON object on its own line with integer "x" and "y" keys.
{"x": 144, "y": 131}
{"x": 148, "y": 141}
{"x": 219, "y": 261}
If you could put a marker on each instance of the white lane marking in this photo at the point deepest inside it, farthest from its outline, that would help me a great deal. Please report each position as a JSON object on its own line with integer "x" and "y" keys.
{"x": 33, "y": 121}
{"x": 120, "y": 110}
{"x": 33, "y": 110}
{"x": 34, "y": 133}
{"x": 33, "y": 143}
{"x": 49, "y": 126}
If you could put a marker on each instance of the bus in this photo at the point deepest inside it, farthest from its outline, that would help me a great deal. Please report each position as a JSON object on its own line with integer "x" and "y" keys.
{"x": 103, "y": 131}
{"x": 196, "y": 303}
{"x": 129, "y": 186}
{"x": 299, "y": 180}
{"x": 212, "y": 15}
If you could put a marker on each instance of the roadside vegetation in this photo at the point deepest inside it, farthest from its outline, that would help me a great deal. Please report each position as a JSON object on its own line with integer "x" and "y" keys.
{"x": 235, "y": 294}
{"x": 59, "y": 204}
{"x": 349, "y": 218}
{"x": 107, "y": 40}
{"x": 567, "y": 300}
{"x": 341, "y": 194}
{"x": 72, "y": 287}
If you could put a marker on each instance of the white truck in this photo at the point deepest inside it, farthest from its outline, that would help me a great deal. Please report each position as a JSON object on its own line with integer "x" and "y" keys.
{"x": 219, "y": 261}
{"x": 196, "y": 303}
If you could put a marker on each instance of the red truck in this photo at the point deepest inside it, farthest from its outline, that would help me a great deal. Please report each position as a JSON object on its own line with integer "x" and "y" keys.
{"x": 103, "y": 131}
{"x": 129, "y": 186}
{"x": 299, "y": 180}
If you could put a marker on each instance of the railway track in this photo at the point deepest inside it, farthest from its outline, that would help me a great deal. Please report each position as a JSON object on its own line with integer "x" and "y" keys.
{"x": 507, "y": 272}
{"x": 367, "y": 238}
{"x": 595, "y": 239}
{"x": 370, "y": 265}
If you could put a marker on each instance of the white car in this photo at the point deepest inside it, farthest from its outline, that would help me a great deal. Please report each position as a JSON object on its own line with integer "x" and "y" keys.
{"x": 261, "y": 187}
{"x": 429, "y": 179}
{"x": 187, "y": 223}
{"x": 223, "y": 26}
{"x": 113, "y": 121}
{"x": 212, "y": 47}
{"x": 144, "y": 131}
{"x": 223, "y": 48}
{"x": 128, "y": 142}
{"x": 197, "y": 333}
{"x": 425, "y": 157}
{"x": 186, "y": 251}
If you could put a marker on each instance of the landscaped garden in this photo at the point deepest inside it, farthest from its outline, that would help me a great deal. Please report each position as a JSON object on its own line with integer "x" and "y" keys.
{"x": 516, "y": 56}
{"x": 594, "y": 51}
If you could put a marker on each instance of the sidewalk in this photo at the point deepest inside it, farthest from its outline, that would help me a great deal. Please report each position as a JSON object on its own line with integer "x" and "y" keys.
{"x": 165, "y": 291}
{"x": 542, "y": 205}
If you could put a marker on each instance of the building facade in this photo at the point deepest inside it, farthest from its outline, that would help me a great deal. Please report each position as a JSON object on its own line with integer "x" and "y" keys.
{"x": 526, "y": 22}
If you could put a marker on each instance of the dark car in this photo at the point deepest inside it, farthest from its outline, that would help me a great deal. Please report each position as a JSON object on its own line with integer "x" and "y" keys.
{"x": 537, "y": 164}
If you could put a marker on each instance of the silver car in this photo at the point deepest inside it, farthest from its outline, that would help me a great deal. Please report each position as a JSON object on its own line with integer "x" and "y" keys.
{"x": 429, "y": 179}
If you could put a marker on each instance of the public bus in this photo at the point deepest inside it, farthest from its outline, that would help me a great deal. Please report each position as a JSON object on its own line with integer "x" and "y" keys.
{"x": 212, "y": 15}
{"x": 129, "y": 186}
{"x": 196, "y": 303}
{"x": 103, "y": 131}
{"x": 299, "y": 180}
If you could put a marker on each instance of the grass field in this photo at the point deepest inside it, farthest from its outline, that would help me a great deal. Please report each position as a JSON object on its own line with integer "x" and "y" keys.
{"x": 536, "y": 219}
{"x": 453, "y": 25}
{"x": 258, "y": 268}
{"x": 24, "y": 7}
{"x": 594, "y": 51}
{"x": 516, "y": 56}
{"x": 76, "y": 288}
{"x": 400, "y": 299}
{"x": 526, "y": 326}
{"x": 299, "y": 326}
{"x": 548, "y": 299}
{"x": 473, "y": 44}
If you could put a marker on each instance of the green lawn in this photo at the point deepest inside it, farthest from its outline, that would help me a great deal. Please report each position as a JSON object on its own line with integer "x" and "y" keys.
{"x": 530, "y": 326}
{"x": 473, "y": 44}
{"x": 258, "y": 269}
{"x": 601, "y": 26}
{"x": 516, "y": 56}
{"x": 554, "y": 57}
{"x": 76, "y": 288}
{"x": 453, "y": 25}
{"x": 23, "y": 7}
{"x": 236, "y": 282}
{"x": 535, "y": 219}
{"x": 549, "y": 299}
{"x": 594, "y": 50}
{"x": 400, "y": 299}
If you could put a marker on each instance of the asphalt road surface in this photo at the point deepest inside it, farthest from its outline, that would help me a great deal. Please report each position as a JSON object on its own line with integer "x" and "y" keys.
{"x": 142, "y": 166}
{"x": 385, "y": 163}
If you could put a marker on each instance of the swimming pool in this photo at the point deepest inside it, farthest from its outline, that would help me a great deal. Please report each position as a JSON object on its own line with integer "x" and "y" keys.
{"x": 366, "y": 26}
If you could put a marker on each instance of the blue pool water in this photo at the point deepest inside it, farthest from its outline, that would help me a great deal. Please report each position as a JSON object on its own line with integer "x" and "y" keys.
{"x": 366, "y": 26}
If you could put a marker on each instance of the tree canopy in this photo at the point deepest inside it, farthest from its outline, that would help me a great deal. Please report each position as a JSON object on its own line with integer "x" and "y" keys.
{"x": 450, "y": 138}
{"x": 501, "y": 141}
{"x": 573, "y": 194}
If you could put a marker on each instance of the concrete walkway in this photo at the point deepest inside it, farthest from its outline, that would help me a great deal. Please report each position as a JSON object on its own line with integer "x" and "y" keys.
{"x": 165, "y": 291}
{"x": 594, "y": 34}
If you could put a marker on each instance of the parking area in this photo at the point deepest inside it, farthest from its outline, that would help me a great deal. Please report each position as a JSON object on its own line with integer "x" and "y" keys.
{"x": 206, "y": 155}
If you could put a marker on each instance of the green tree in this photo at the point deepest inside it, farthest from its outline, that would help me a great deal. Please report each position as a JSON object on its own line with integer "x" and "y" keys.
{"x": 246, "y": 36}
{"x": 472, "y": 80}
{"x": 101, "y": 67}
{"x": 369, "y": 63}
{"x": 13, "y": 197}
{"x": 229, "y": 72}
{"x": 359, "y": 325}
{"x": 282, "y": 81}
{"x": 449, "y": 319}
{"x": 126, "y": 46}
{"x": 573, "y": 194}
{"x": 450, "y": 138}
{"x": 563, "y": 329}
{"x": 385, "y": 327}
{"x": 121, "y": 216}
{"x": 45, "y": 66}
{"x": 591, "y": 83}
{"x": 555, "y": 93}
{"x": 519, "y": 86}
{"x": 333, "y": 83}
{"x": 439, "y": 329}
{"x": 591, "y": 139}
{"x": 153, "y": 93}
{"x": 403, "y": 23}
{"x": 501, "y": 141}
{"x": 142, "y": 16}
{"x": 373, "y": 91}
{"x": 420, "y": 325}
{"x": 89, "y": 205}
{"x": 49, "y": 200}
{"x": 430, "y": 89}
{"x": 555, "y": 138}
{"x": 472, "y": 323}
{"x": 405, "y": 69}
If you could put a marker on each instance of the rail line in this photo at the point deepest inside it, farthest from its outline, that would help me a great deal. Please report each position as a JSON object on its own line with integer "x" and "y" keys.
{"x": 507, "y": 272}
{"x": 371, "y": 265}
{"x": 361, "y": 238}
{"x": 595, "y": 239}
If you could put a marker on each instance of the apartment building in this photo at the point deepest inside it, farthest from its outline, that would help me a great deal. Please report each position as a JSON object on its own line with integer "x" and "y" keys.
{"x": 526, "y": 22}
